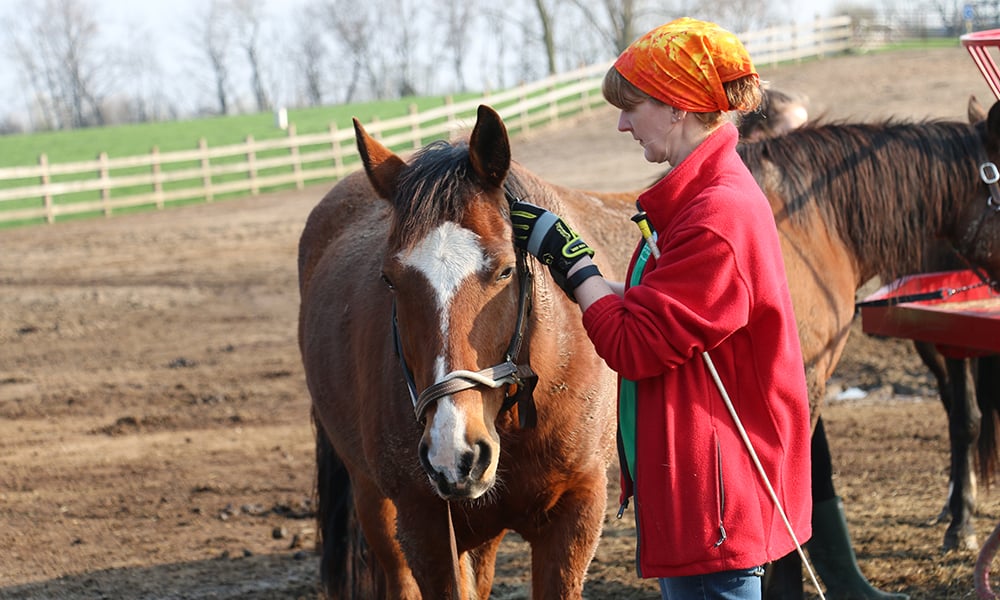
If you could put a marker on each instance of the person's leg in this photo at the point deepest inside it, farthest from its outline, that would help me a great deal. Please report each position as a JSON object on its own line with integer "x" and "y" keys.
{"x": 741, "y": 584}
{"x": 830, "y": 549}
{"x": 783, "y": 578}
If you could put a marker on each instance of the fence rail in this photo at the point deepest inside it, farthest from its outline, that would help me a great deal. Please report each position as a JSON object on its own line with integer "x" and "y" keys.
{"x": 45, "y": 191}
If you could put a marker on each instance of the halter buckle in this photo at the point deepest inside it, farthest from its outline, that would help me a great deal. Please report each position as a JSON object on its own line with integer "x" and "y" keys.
{"x": 989, "y": 173}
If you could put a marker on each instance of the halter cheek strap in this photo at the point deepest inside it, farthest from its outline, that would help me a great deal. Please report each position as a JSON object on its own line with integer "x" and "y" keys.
{"x": 990, "y": 175}
{"x": 519, "y": 378}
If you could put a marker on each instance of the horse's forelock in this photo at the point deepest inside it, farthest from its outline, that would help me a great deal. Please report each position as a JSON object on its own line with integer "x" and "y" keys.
{"x": 434, "y": 187}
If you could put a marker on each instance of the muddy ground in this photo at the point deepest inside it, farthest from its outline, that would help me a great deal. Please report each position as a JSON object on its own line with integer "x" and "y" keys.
{"x": 154, "y": 432}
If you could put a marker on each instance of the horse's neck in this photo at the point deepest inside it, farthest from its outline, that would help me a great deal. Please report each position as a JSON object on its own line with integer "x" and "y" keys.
{"x": 891, "y": 234}
{"x": 556, "y": 330}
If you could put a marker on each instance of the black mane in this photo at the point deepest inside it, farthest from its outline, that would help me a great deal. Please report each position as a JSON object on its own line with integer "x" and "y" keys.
{"x": 878, "y": 186}
{"x": 436, "y": 186}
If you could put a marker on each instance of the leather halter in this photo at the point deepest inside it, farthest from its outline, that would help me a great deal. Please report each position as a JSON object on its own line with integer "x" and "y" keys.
{"x": 990, "y": 175}
{"x": 508, "y": 372}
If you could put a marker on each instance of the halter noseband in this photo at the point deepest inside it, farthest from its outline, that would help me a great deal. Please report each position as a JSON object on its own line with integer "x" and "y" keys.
{"x": 506, "y": 373}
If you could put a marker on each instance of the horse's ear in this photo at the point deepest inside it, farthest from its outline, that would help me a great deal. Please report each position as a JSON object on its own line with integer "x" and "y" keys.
{"x": 976, "y": 110}
{"x": 489, "y": 147}
{"x": 381, "y": 164}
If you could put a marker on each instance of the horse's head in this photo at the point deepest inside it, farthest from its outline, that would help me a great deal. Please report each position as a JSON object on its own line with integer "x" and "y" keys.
{"x": 978, "y": 223}
{"x": 454, "y": 275}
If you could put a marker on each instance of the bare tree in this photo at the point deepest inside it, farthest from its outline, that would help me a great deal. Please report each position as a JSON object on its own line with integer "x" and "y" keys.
{"x": 308, "y": 53}
{"x": 400, "y": 22}
{"x": 457, "y": 17}
{"x": 616, "y": 21}
{"x": 738, "y": 16}
{"x": 353, "y": 25}
{"x": 141, "y": 95}
{"x": 546, "y": 16}
{"x": 214, "y": 40}
{"x": 60, "y": 58}
{"x": 247, "y": 15}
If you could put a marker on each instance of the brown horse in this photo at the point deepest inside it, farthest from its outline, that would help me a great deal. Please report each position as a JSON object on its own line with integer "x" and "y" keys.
{"x": 856, "y": 201}
{"x": 969, "y": 387}
{"x": 417, "y": 320}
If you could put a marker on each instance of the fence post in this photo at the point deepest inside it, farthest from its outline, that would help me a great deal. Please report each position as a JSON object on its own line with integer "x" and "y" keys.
{"x": 449, "y": 104}
{"x": 102, "y": 174}
{"x": 293, "y": 147}
{"x": 157, "y": 182}
{"x": 206, "y": 170}
{"x": 338, "y": 154}
{"x": 252, "y": 165}
{"x": 553, "y": 106}
{"x": 415, "y": 126}
{"x": 524, "y": 110}
{"x": 46, "y": 179}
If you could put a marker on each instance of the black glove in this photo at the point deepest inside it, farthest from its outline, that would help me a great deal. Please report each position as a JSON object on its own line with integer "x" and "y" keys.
{"x": 546, "y": 236}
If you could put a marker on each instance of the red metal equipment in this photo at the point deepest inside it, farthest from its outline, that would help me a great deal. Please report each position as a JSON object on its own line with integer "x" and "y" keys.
{"x": 978, "y": 44}
{"x": 963, "y": 322}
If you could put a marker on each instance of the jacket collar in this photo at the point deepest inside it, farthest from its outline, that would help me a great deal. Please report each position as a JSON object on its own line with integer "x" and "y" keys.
{"x": 689, "y": 178}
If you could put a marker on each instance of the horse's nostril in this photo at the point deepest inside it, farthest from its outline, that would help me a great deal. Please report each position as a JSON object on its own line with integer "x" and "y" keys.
{"x": 484, "y": 454}
{"x": 475, "y": 462}
{"x": 424, "y": 451}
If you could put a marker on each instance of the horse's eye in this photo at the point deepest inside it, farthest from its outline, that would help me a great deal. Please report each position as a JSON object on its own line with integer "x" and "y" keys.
{"x": 505, "y": 274}
{"x": 388, "y": 282}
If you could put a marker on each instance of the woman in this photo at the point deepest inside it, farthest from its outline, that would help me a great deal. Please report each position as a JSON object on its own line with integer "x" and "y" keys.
{"x": 712, "y": 281}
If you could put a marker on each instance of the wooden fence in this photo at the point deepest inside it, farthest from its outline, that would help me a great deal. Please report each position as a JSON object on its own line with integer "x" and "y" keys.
{"x": 45, "y": 191}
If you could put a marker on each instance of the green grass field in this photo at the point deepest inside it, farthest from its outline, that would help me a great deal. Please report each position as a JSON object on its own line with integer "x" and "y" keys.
{"x": 85, "y": 145}
{"x": 131, "y": 140}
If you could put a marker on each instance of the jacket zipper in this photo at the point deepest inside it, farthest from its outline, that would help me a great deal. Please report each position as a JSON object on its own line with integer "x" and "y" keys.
{"x": 722, "y": 496}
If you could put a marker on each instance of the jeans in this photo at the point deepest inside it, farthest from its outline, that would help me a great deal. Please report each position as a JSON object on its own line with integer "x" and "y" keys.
{"x": 741, "y": 584}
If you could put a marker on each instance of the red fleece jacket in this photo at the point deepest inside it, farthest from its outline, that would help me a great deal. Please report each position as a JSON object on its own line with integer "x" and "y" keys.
{"x": 719, "y": 286}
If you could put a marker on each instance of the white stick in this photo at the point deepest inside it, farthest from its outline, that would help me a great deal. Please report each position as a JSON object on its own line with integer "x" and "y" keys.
{"x": 760, "y": 469}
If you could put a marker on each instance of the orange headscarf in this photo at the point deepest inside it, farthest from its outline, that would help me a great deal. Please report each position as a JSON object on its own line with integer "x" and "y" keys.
{"x": 684, "y": 64}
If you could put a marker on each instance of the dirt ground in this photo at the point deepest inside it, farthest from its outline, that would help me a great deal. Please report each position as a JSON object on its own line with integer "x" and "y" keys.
{"x": 154, "y": 432}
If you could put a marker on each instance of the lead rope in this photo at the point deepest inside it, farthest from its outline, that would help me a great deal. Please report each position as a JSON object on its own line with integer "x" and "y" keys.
{"x": 647, "y": 235}
{"x": 455, "y": 566}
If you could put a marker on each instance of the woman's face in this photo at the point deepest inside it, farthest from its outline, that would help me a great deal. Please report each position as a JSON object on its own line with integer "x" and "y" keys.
{"x": 651, "y": 124}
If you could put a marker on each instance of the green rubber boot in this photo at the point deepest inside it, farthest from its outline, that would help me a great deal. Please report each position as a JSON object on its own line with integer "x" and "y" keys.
{"x": 833, "y": 557}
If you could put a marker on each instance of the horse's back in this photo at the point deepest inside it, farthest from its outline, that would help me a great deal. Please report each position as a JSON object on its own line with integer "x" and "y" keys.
{"x": 344, "y": 314}
{"x": 350, "y": 210}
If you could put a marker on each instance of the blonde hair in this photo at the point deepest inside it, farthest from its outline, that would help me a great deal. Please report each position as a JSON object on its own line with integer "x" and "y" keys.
{"x": 744, "y": 94}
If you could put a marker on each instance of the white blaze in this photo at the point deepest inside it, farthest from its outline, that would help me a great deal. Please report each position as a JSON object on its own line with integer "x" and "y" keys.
{"x": 446, "y": 257}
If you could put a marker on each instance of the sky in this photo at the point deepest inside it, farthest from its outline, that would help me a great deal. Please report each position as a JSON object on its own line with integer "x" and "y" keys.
{"x": 165, "y": 24}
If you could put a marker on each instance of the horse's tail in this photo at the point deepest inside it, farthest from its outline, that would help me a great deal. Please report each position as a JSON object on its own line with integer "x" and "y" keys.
{"x": 345, "y": 569}
{"x": 988, "y": 398}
